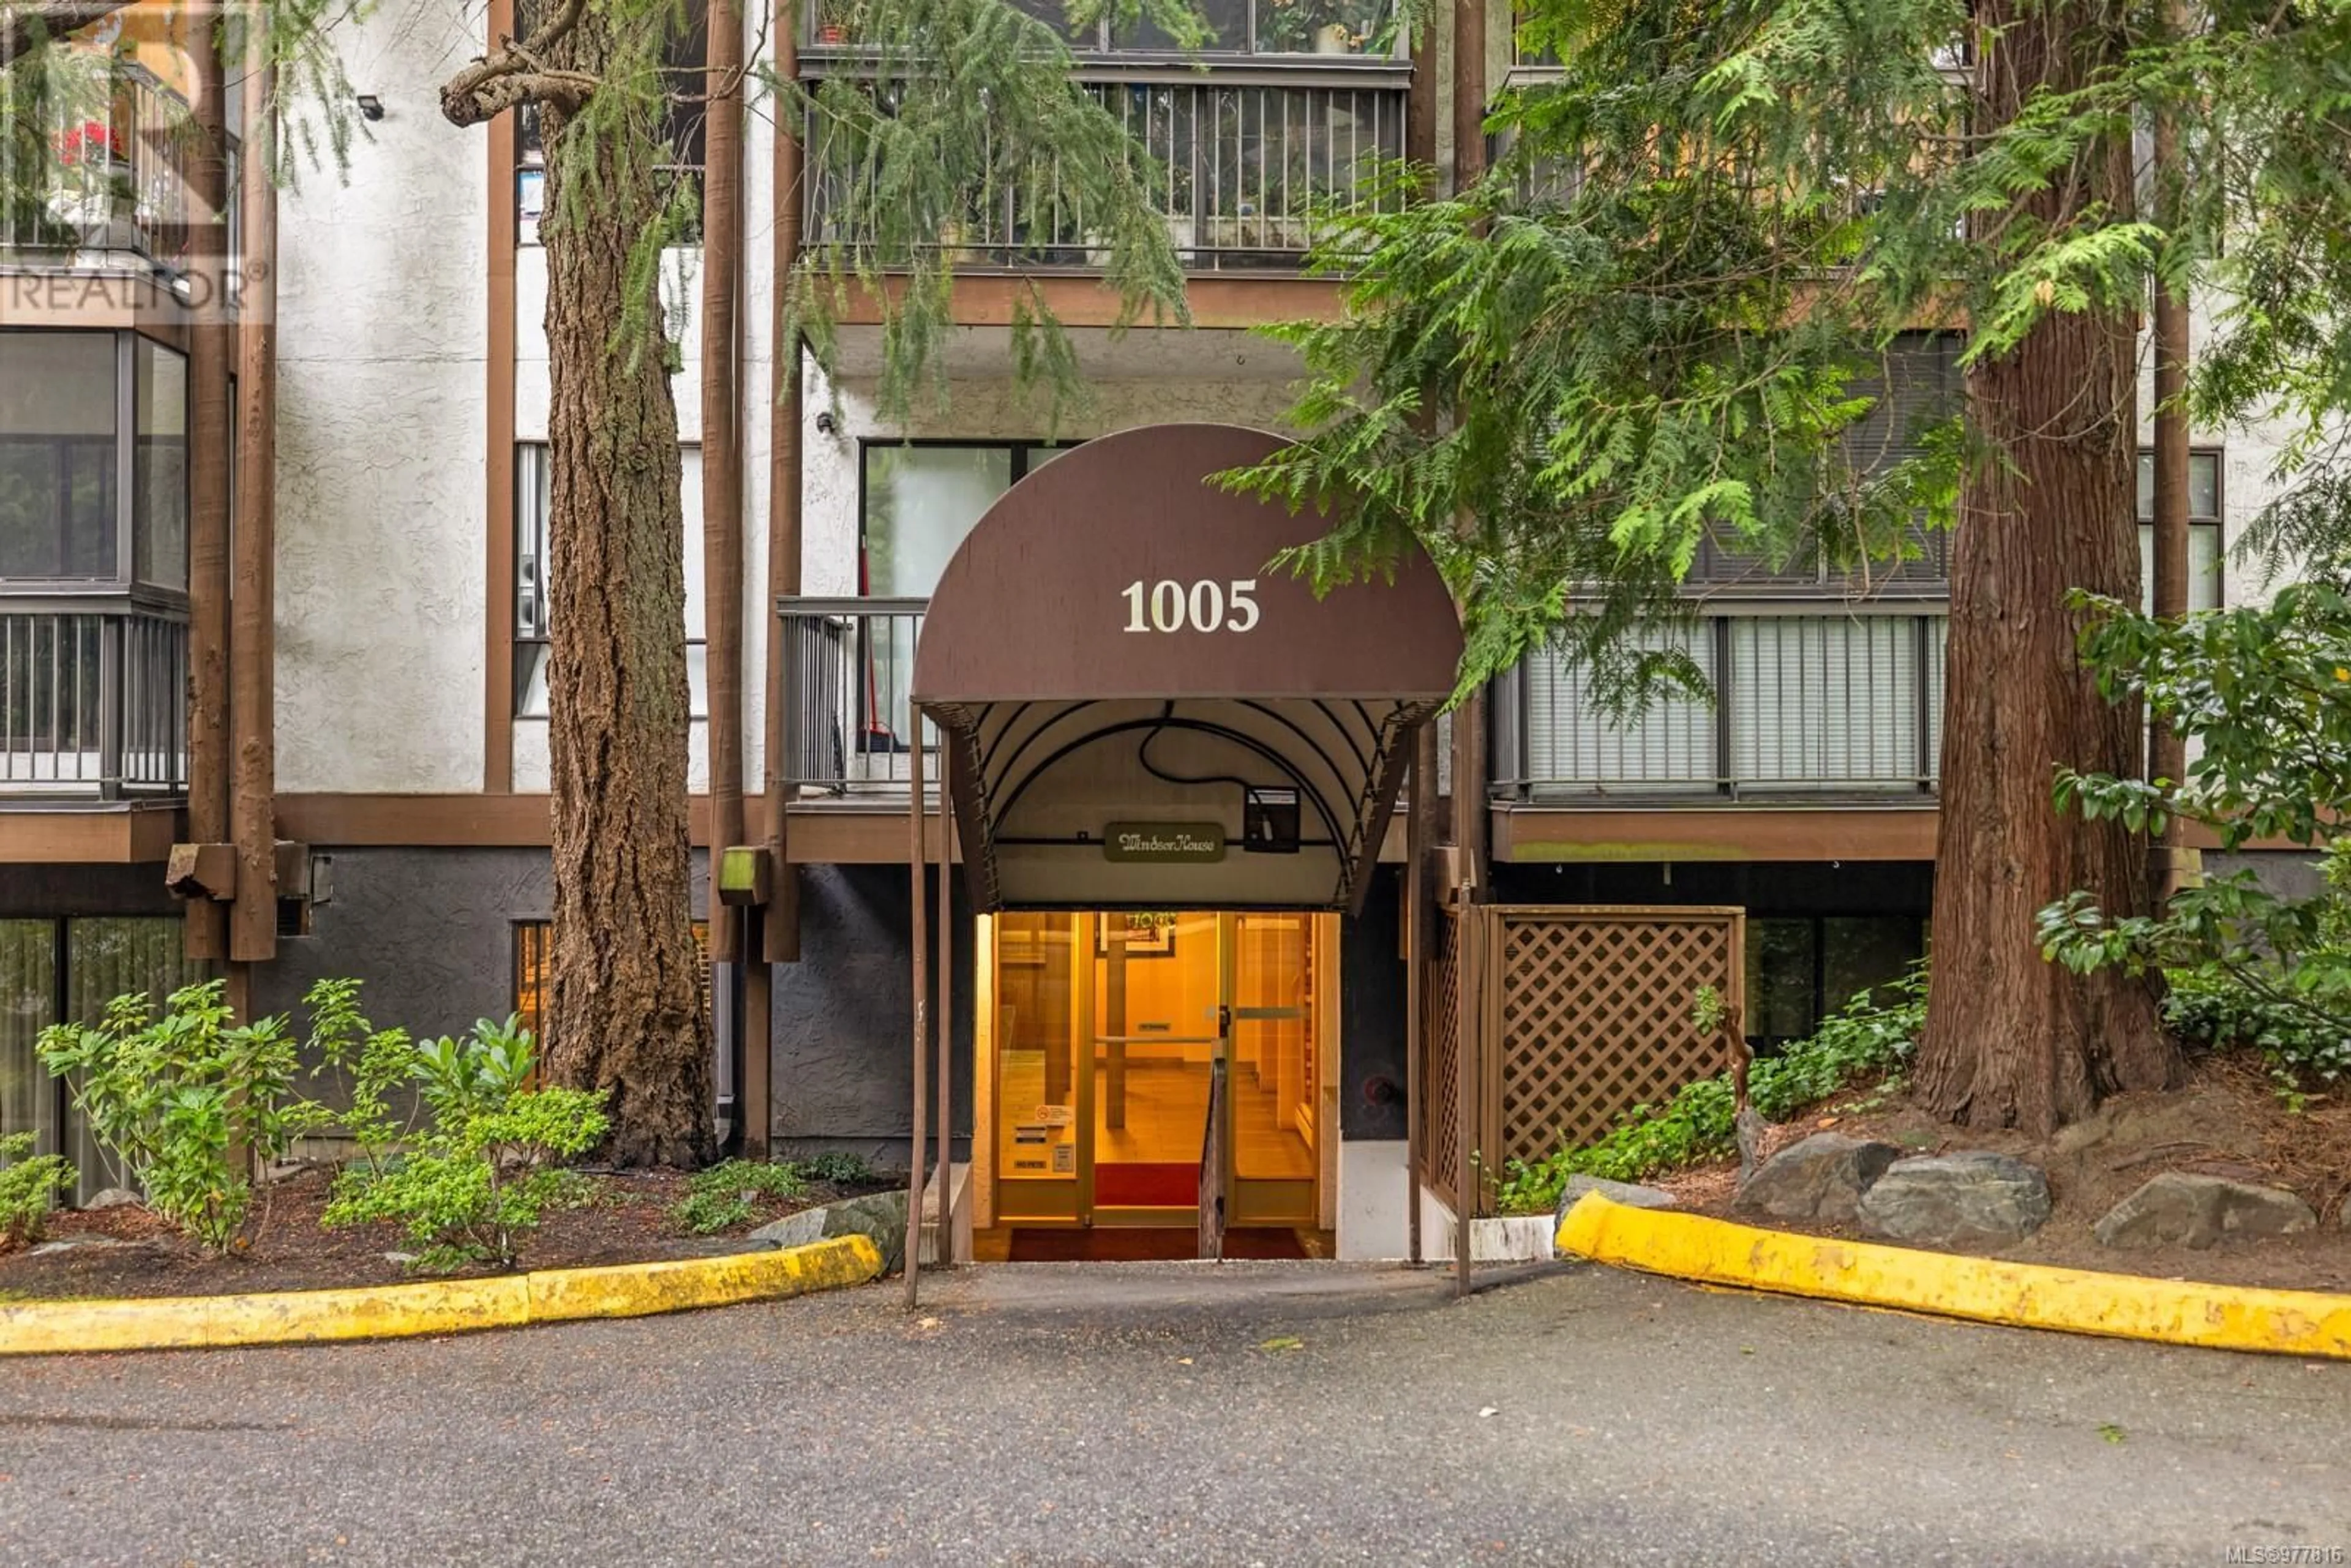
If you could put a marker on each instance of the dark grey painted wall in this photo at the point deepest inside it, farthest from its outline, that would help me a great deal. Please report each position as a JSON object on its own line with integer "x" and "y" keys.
{"x": 429, "y": 931}
{"x": 1372, "y": 1014}
{"x": 843, "y": 1015}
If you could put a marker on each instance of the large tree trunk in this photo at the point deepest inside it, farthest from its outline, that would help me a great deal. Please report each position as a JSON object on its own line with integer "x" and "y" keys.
{"x": 2010, "y": 1040}
{"x": 626, "y": 1011}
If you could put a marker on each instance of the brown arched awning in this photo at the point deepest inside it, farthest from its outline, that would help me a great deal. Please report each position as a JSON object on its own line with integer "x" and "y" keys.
{"x": 1132, "y": 700}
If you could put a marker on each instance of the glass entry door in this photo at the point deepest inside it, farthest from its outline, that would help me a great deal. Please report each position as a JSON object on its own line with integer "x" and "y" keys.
{"x": 1108, "y": 1031}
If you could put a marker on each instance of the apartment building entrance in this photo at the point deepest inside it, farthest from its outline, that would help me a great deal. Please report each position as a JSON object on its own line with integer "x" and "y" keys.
{"x": 1138, "y": 1067}
{"x": 1166, "y": 764}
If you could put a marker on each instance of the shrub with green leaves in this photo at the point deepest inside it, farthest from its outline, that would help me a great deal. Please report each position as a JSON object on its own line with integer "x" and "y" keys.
{"x": 837, "y": 1167}
{"x": 733, "y": 1191}
{"x": 487, "y": 1170}
{"x": 30, "y": 1184}
{"x": 2263, "y": 691}
{"x": 1869, "y": 1039}
{"x": 173, "y": 1097}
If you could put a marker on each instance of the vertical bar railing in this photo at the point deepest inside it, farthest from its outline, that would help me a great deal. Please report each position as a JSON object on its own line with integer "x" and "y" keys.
{"x": 92, "y": 702}
{"x": 1241, "y": 173}
{"x": 1801, "y": 704}
{"x": 853, "y": 672}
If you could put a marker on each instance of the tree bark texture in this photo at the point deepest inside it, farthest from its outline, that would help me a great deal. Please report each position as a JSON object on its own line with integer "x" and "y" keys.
{"x": 625, "y": 1014}
{"x": 2010, "y": 1040}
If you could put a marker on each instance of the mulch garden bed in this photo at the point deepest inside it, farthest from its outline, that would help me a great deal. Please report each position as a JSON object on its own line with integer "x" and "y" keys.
{"x": 2227, "y": 1121}
{"x": 128, "y": 1251}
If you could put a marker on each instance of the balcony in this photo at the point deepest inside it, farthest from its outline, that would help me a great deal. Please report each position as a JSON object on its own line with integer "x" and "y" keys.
{"x": 845, "y": 715}
{"x": 93, "y": 700}
{"x": 115, "y": 186}
{"x": 1240, "y": 169}
{"x": 1810, "y": 703}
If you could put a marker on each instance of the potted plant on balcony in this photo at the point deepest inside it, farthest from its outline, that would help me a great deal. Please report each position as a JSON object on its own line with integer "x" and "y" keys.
{"x": 1326, "y": 26}
{"x": 92, "y": 193}
{"x": 833, "y": 20}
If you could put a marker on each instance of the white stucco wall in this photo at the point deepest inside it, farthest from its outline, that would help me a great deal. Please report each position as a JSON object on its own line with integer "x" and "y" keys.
{"x": 2248, "y": 454}
{"x": 380, "y": 410}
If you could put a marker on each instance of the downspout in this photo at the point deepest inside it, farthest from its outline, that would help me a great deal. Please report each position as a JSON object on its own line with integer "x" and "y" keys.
{"x": 779, "y": 918}
{"x": 252, "y": 917}
{"x": 210, "y": 450}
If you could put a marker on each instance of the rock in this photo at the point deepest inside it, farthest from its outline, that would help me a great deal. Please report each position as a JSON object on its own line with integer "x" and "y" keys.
{"x": 2181, "y": 1206}
{"x": 81, "y": 1244}
{"x": 792, "y": 1229}
{"x": 1969, "y": 1199}
{"x": 113, "y": 1198}
{"x": 1625, "y": 1192}
{"x": 1823, "y": 1177}
{"x": 405, "y": 1259}
{"x": 880, "y": 1215}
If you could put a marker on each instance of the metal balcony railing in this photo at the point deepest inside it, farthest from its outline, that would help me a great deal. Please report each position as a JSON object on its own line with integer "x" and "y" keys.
{"x": 1833, "y": 705}
{"x": 120, "y": 150}
{"x": 845, "y": 716}
{"x": 93, "y": 700}
{"x": 1240, "y": 170}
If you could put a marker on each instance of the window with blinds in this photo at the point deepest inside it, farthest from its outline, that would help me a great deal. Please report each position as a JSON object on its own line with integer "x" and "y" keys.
{"x": 1825, "y": 704}
{"x": 1572, "y": 743}
{"x": 1919, "y": 388}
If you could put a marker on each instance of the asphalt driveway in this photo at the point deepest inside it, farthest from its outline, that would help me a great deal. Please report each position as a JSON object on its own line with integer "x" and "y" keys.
{"x": 1252, "y": 1414}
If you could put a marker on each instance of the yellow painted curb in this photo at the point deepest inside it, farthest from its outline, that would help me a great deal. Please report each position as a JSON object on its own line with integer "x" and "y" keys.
{"x": 2021, "y": 1295}
{"x": 435, "y": 1307}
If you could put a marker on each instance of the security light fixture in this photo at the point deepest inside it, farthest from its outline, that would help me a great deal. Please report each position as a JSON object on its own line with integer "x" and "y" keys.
{"x": 371, "y": 106}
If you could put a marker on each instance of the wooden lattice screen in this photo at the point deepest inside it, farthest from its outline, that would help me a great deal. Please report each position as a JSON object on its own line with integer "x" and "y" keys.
{"x": 1588, "y": 1014}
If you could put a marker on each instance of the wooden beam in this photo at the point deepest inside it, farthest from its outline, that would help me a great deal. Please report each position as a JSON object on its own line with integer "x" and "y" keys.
{"x": 253, "y": 918}
{"x": 722, "y": 452}
{"x": 779, "y": 924}
{"x": 211, "y": 449}
{"x": 498, "y": 467}
{"x": 990, "y": 299}
{"x": 1535, "y": 835}
{"x": 201, "y": 873}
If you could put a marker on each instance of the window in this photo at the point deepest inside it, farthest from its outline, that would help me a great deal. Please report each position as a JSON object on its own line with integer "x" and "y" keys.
{"x": 158, "y": 470}
{"x": 534, "y": 947}
{"x": 88, "y": 422}
{"x": 1366, "y": 28}
{"x": 1801, "y": 968}
{"x": 920, "y": 498}
{"x": 532, "y": 493}
{"x": 918, "y": 501}
{"x": 1920, "y": 387}
{"x": 58, "y": 460}
{"x": 2203, "y": 530}
{"x": 55, "y": 970}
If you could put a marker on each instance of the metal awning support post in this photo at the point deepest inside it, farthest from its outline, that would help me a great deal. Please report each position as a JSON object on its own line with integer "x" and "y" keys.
{"x": 918, "y": 858}
{"x": 1415, "y": 1000}
{"x": 1471, "y": 957}
{"x": 945, "y": 1017}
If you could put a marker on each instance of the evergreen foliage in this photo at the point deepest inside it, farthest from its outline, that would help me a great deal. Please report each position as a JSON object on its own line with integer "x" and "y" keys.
{"x": 1655, "y": 321}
